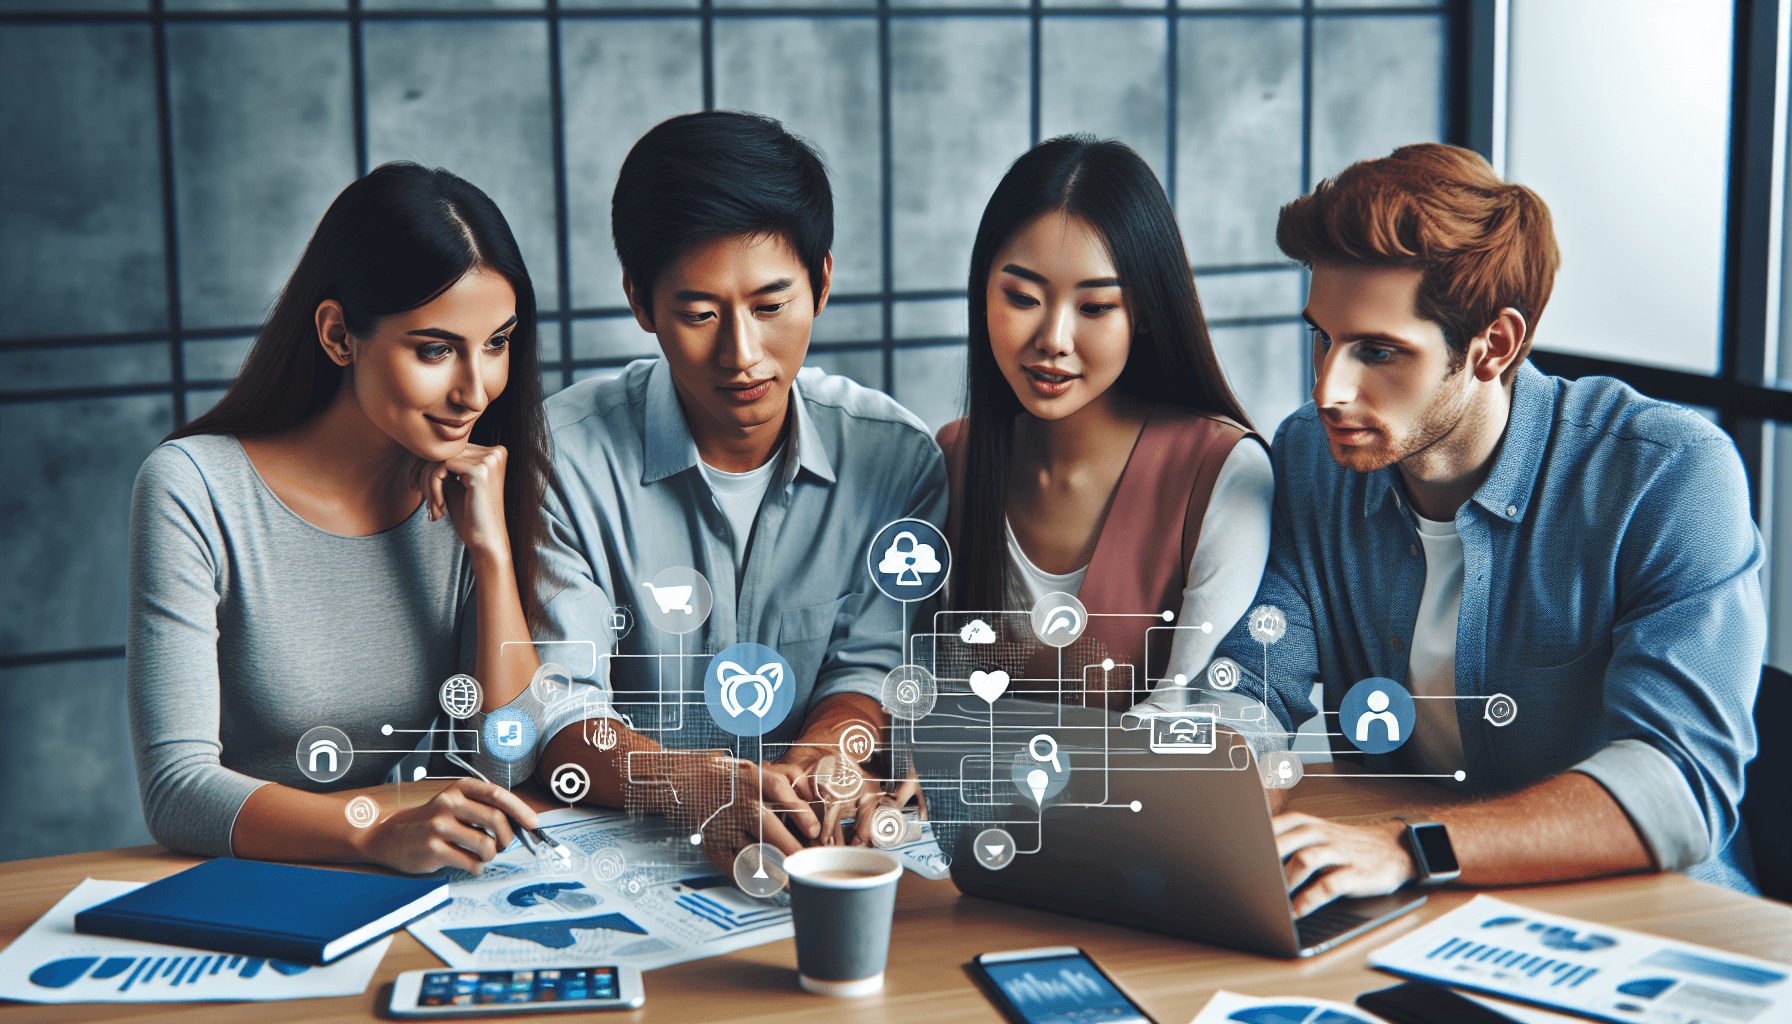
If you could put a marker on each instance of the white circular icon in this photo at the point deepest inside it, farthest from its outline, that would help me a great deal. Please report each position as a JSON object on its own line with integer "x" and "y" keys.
{"x": 362, "y": 811}
{"x": 460, "y": 696}
{"x": 324, "y": 753}
{"x": 1059, "y": 619}
{"x": 888, "y": 828}
{"x": 678, "y": 599}
{"x": 909, "y": 560}
{"x": 608, "y": 865}
{"x": 1029, "y": 774}
{"x": 759, "y": 870}
{"x": 1281, "y": 769}
{"x": 570, "y": 782}
{"x": 839, "y": 778}
{"x": 858, "y": 742}
{"x": 632, "y": 886}
{"x": 994, "y": 848}
{"x": 909, "y": 692}
{"x": 551, "y": 684}
{"x": 620, "y": 622}
{"x": 603, "y": 735}
{"x": 1223, "y": 673}
{"x": 561, "y": 860}
{"x": 1501, "y": 710}
{"x": 1267, "y": 624}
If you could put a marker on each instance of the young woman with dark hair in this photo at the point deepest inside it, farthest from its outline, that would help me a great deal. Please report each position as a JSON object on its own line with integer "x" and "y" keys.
{"x": 352, "y": 523}
{"x": 1102, "y": 456}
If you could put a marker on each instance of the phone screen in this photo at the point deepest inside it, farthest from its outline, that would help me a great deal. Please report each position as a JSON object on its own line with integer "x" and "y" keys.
{"x": 1062, "y": 990}
{"x": 471, "y": 988}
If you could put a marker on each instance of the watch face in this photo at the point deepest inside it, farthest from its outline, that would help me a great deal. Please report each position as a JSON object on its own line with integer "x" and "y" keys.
{"x": 1434, "y": 845}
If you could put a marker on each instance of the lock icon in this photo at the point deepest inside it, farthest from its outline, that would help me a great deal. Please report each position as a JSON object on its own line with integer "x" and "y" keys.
{"x": 908, "y": 563}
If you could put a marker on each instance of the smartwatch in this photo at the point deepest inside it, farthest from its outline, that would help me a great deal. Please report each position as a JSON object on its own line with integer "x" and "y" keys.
{"x": 1432, "y": 854}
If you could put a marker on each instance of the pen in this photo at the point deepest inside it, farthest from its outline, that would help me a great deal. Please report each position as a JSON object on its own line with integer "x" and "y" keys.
{"x": 541, "y": 840}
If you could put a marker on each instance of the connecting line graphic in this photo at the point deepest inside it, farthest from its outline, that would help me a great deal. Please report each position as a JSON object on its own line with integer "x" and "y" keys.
{"x": 591, "y": 644}
{"x": 658, "y": 695}
{"x": 668, "y": 779}
{"x": 1038, "y": 833}
{"x": 942, "y": 651}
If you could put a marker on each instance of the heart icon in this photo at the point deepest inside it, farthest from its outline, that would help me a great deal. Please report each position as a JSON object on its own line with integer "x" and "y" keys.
{"x": 989, "y": 685}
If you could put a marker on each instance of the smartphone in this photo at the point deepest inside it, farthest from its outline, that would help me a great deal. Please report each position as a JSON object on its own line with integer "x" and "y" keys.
{"x": 485, "y": 993}
{"x": 1055, "y": 985}
{"x": 1421, "y": 1002}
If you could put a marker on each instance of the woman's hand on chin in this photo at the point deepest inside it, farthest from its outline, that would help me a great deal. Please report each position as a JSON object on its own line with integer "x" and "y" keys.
{"x": 463, "y": 827}
{"x": 469, "y": 489}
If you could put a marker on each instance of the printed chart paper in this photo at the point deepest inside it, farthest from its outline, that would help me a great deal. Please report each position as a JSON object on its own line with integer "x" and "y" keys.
{"x": 1231, "y": 1008}
{"x": 1608, "y": 973}
{"x": 924, "y": 856}
{"x": 636, "y": 896}
{"x": 53, "y": 963}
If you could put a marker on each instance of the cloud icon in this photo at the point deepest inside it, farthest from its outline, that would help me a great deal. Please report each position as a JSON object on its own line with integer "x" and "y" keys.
{"x": 977, "y": 632}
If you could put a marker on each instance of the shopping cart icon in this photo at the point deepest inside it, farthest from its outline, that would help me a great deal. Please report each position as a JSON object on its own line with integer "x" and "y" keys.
{"x": 671, "y": 599}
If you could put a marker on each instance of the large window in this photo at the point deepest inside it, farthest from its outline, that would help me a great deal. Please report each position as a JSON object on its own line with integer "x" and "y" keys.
{"x": 1657, "y": 132}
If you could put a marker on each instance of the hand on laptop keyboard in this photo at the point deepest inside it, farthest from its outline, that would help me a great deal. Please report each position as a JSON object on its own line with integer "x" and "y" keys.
{"x": 1323, "y": 860}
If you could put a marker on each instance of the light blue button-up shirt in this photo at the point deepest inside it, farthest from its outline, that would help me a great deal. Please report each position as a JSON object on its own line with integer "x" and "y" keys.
{"x": 629, "y": 499}
{"x": 1610, "y": 586}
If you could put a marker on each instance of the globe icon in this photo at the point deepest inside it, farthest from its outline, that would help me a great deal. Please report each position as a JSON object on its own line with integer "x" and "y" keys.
{"x": 460, "y": 696}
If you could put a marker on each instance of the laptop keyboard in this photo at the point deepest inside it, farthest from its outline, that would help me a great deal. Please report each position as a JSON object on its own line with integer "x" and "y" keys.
{"x": 1323, "y": 925}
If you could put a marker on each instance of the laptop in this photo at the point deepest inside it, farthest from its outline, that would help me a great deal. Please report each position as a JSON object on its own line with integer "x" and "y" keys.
{"x": 1196, "y": 859}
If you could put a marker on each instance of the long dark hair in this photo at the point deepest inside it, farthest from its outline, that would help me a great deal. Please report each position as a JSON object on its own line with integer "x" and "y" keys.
{"x": 392, "y": 242}
{"x": 1106, "y": 184}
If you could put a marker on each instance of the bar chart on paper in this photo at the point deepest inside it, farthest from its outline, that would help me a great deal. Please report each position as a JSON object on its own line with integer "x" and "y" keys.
{"x": 1513, "y": 952}
{"x": 52, "y": 963}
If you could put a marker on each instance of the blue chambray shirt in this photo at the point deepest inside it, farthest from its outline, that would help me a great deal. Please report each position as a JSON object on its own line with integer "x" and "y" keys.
{"x": 628, "y": 499}
{"x": 1610, "y": 586}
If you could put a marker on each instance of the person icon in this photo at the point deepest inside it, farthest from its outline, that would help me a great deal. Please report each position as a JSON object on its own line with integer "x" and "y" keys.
{"x": 1376, "y": 701}
{"x": 1378, "y": 712}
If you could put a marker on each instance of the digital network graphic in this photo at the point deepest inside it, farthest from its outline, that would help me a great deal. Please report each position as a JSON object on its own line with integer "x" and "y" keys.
{"x": 983, "y": 705}
{"x": 994, "y": 688}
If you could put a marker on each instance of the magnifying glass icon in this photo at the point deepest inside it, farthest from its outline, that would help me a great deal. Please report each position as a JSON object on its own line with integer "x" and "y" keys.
{"x": 1051, "y": 750}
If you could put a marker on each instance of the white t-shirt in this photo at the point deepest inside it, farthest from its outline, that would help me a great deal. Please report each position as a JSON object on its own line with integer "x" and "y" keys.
{"x": 740, "y": 495}
{"x": 1436, "y": 743}
{"x": 1223, "y": 572}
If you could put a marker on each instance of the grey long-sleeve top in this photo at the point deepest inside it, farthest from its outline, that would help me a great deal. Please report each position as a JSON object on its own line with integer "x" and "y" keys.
{"x": 248, "y": 626}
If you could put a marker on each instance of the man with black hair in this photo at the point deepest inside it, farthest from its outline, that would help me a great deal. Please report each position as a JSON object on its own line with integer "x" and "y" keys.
{"x": 720, "y": 456}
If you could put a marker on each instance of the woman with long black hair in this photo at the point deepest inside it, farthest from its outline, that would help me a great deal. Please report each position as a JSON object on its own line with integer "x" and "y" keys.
{"x": 352, "y": 523}
{"x": 1104, "y": 456}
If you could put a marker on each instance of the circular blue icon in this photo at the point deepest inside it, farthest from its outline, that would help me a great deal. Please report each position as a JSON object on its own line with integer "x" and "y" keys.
{"x": 1377, "y": 715}
{"x": 749, "y": 689}
{"x": 909, "y": 560}
{"x": 509, "y": 734}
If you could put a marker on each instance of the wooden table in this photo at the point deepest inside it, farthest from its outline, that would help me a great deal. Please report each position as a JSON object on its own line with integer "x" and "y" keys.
{"x": 938, "y": 931}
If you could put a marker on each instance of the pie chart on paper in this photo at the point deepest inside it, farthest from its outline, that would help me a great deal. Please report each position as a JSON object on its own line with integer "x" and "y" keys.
{"x": 1295, "y": 1013}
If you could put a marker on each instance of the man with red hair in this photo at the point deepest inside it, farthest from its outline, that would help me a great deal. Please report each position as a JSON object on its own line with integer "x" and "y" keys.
{"x": 1563, "y": 573}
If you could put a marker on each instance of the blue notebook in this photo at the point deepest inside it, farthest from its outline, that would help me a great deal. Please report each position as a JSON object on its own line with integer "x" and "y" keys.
{"x": 310, "y": 915}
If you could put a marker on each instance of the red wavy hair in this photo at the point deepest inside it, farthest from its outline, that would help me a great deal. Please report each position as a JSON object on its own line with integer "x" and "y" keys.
{"x": 1483, "y": 245}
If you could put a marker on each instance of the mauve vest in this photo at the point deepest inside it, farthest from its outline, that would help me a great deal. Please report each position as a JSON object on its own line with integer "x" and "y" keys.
{"x": 1140, "y": 564}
